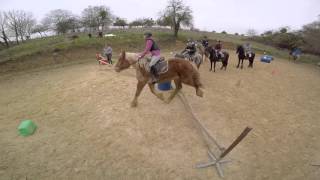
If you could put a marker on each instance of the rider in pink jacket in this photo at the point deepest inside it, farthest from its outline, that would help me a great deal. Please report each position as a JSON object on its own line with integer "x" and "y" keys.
{"x": 151, "y": 47}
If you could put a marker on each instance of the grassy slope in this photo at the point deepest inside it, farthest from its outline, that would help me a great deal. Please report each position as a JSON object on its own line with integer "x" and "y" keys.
{"x": 132, "y": 40}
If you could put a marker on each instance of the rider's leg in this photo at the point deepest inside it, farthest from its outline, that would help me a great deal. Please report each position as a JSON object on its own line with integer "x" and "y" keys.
{"x": 153, "y": 72}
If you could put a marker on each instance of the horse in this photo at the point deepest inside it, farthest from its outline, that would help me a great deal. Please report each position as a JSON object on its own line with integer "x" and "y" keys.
{"x": 196, "y": 58}
{"x": 203, "y": 51}
{"x": 242, "y": 56}
{"x": 250, "y": 56}
{"x": 213, "y": 56}
{"x": 179, "y": 71}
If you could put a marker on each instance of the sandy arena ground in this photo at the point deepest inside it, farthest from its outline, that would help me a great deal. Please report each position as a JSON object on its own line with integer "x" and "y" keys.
{"x": 87, "y": 129}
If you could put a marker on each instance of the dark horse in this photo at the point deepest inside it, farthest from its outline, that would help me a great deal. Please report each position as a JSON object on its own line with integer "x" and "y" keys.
{"x": 214, "y": 57}
{"x": 242, "y": 56}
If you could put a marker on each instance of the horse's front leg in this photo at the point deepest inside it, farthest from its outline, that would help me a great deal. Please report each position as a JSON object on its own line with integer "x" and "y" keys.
{"x": 242, "y": 63}
{"x": 214, "y": 66}
{"x": 250, "y": 63}
{"x": 210, "y": 65}
{"x": 223, "y": 64}
{"x": 140, "y": 86}
{"x": 178, "y": 84}
{"x": 152, "y": 89}
{"x": 238, "y": 63}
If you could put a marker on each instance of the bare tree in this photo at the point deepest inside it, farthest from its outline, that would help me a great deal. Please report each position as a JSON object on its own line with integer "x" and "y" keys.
{"x": 94, "y": 17}
{"x": 26, "y": 23}
{"x": 252, "y": 32}
{"x": 136, "y": 23}
{"x": 40, "y": 28}
{"x": 164, "y": 21}
{"x": 21, "y": 23}
{"x": 30, "y": 24}
{"x": 148, "y": 22}
{"x": 120, "y": 22}
{"x": 59, "y": 20}
{"x": 13, "y": 23}
{"x": 178, "y": 14}
{"x": 3, "y": 29}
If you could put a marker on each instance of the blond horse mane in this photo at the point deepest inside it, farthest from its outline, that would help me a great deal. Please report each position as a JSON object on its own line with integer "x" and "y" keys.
{"x": 132, "y": 57}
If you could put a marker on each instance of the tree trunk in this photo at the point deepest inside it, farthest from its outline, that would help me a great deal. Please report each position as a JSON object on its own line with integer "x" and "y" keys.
{"x": 21, "y": 36}
{"x": 176, "y": 30}
{"x": 4, "y": 37}
{"x": 17, "y": 35}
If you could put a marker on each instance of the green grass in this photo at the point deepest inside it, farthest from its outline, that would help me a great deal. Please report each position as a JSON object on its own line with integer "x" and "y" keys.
{"x": 132, "y": 40}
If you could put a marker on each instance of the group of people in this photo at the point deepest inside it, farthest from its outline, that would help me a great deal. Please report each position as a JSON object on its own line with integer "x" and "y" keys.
{"x": 191, "y": 49}
{"x": 152, "y": 48}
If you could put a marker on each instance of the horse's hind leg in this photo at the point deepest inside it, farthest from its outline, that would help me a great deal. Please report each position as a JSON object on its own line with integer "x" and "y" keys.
{"x": 152, "y": 89}
{"x": 238, "y": 63}
{"x": 242, "y": 63}
{"x": 250, "y": 63}
{"x": 178, "y": 84}
{"x": 140, "y": 86}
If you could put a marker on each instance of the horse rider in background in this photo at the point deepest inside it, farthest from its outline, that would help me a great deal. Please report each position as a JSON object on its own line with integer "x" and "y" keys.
{"x": 190, "y": 49}
{"x": 218, "y": 48}
{"x": 205, "y": 42}
{"x": 248, "y": 49}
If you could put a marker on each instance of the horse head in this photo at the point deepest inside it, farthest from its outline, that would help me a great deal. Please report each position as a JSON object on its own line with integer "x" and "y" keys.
{"x": 122, "y": 63}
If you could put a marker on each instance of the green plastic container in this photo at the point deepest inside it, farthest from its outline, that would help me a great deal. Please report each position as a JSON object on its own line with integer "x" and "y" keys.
{"x": 26, "y": 128}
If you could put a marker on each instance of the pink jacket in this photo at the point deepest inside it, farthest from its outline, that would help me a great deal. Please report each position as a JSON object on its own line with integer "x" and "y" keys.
{"x": 147, "y": 49}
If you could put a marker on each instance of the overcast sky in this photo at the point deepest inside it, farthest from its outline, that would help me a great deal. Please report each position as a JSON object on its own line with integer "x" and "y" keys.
{"x": 230, "y": 15}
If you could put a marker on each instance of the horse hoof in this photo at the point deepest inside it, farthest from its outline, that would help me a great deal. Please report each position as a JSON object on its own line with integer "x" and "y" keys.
{"x": 199, "y": 93}
{"x": 161, "y": 97}
{"x": 167, "y": 101}
{"x": 134, "y": 104}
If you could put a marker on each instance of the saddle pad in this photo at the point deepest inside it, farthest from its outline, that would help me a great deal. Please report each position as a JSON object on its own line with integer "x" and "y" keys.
{"x": 161, "y": 66}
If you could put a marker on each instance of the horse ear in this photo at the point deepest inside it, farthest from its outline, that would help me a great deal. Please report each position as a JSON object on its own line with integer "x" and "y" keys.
{"x": 123, "y": 54}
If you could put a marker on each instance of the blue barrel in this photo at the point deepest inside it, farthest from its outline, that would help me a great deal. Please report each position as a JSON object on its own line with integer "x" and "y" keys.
{"x": 266, "y": 58}
{"x": 164, "y": 86}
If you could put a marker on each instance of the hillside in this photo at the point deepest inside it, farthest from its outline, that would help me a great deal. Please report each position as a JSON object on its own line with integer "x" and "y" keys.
{"x": 131, "y": 40}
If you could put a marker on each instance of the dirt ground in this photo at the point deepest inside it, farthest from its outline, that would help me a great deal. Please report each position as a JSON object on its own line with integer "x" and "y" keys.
{"x": 87, "y": 129}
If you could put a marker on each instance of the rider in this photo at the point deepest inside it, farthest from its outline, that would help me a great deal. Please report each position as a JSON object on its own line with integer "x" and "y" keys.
{"x": 218, "y": 48}
{"x": 190, "y": 49}
{"x": 153, "y": 48}
{"x": 248, "y": 49}
{"x": 205, "y": 42}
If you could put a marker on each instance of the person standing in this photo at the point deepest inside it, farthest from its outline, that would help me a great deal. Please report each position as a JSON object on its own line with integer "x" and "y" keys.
{"x": 107, "y": 52}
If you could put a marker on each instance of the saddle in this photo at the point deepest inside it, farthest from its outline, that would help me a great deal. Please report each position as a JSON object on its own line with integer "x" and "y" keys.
{"x": 160, "y": 67}
{"x": 219, "y": 54}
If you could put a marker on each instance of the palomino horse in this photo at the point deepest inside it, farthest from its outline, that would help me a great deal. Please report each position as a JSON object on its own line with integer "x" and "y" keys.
{"x": 179, "y": 71}
{"x": 214, "y": 57}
